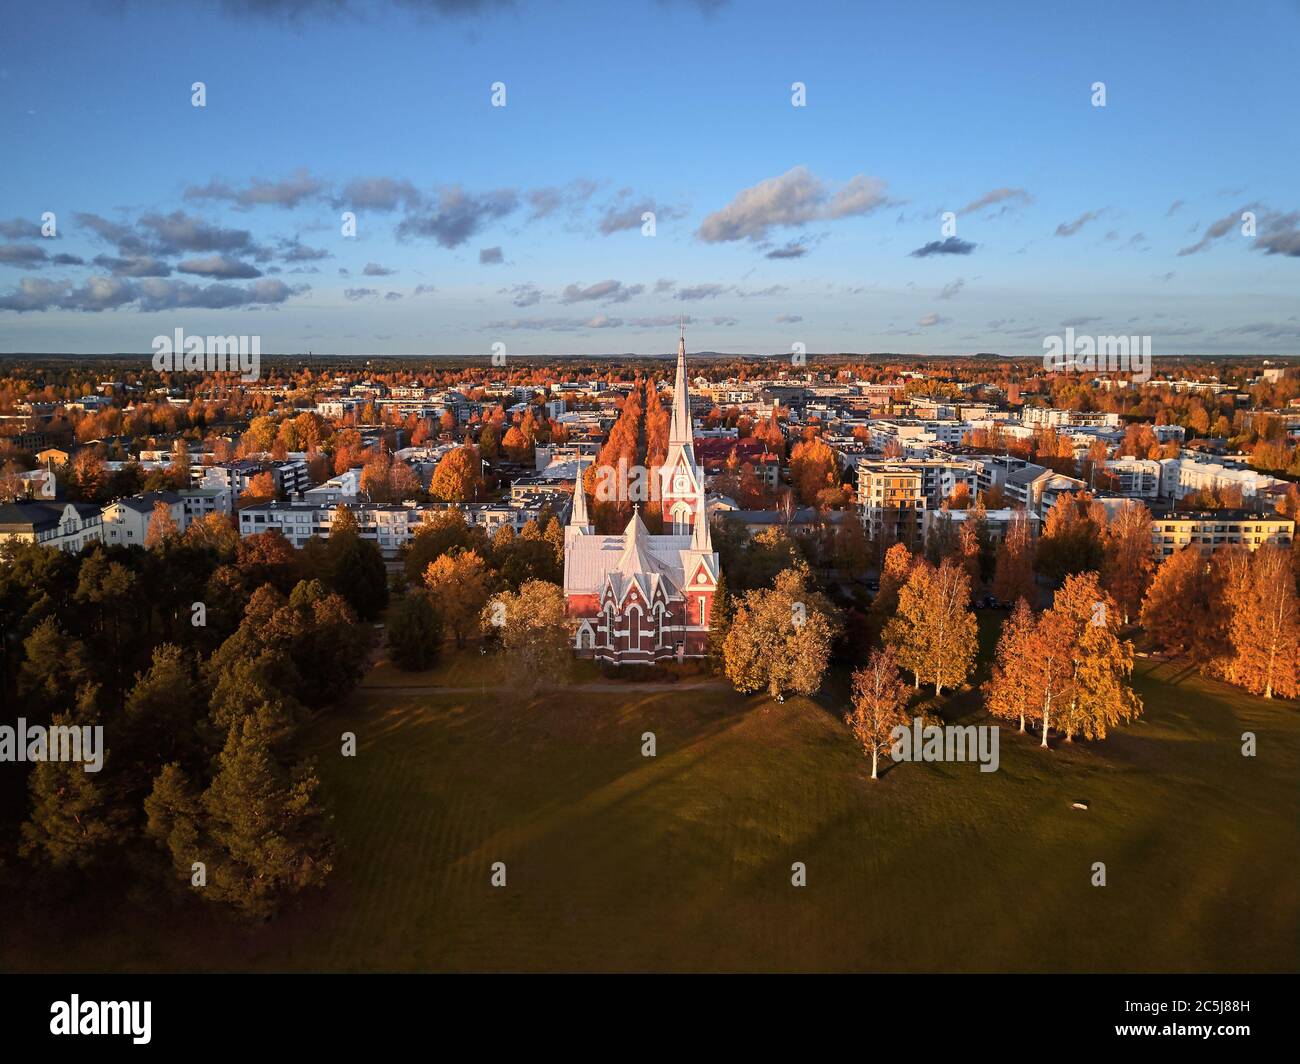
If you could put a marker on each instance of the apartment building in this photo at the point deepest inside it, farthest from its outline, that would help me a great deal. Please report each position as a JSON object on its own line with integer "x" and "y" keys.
{"x": 126, "y": 521}
{"x": 65, "y": 526}
{"x": 1182, "y": 476}
{"x": 893, "y": 502}
{"x": 1138, "y": 478}
{"x": 1210, "y": 530}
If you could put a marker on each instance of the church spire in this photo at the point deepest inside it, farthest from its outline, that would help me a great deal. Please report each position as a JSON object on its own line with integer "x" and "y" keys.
{"x": 681, "y": 426}
{"x": 578, "y": 516}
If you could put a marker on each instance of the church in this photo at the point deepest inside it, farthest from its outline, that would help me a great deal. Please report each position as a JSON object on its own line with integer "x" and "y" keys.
{"x": 637, "y": 598}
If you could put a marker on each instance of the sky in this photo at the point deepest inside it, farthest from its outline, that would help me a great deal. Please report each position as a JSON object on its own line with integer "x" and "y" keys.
{"x": 823, "y": 224}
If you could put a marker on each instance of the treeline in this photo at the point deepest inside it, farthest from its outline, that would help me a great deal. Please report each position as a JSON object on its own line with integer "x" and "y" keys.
{"x": 201, "y": 657}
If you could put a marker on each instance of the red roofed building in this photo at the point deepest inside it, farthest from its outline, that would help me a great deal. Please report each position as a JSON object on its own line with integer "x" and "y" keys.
{"x": 638, "y": 598}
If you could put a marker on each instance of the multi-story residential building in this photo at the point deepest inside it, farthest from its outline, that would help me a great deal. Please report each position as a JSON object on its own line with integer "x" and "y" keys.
{"x": 1037, "y": 488}
{"x": 1138, "y": 478}
{"x": 392, "y": 525}
{"x": 288, "y": 476}
{"x": 1182, "y": 476}
{"x": 893, "y": 501}
{"x": 996, "y": 522}
{"x": 126, "y": 521}
{"x": 65, "y": 526}
{"x": 1051, "y": 417}
{"x": 346, "y": 487}
{"x": 1210, "y": 530}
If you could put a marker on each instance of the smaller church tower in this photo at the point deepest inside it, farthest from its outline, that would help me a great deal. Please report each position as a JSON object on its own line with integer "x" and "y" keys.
{"x": 579, "y": 523}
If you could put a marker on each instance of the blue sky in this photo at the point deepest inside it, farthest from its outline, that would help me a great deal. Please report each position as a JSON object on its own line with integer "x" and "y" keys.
{"x": 774, "y": 224}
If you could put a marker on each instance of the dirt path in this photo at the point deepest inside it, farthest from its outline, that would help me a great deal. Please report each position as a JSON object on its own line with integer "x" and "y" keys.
{"x": 710, "y": 685}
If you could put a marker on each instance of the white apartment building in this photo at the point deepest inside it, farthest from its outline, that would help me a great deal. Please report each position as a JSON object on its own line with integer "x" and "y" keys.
{"x": 1182, "y": 476}
{"x": 1138, "y": 478}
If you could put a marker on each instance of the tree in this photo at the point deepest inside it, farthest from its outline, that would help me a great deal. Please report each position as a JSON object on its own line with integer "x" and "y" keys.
{"x": 1013, "y": 572}
{"x": 163, "y": 529}
{"x": 55, "y": 666}
{"x": 355, "y": 567}
{"x": 934, "y": 632}
{"x": 460, "y": 585}
{"x": 162, "y": 710}
{"x": 1176, "y": 610}
{"x": 719, "y": 626}
{"x": 258, "y": 827}
{"x": 1126, "y": 562}
{"x": 1071, "y": 540}
{"x": 812, "y": 468}
{"x": 215, "y": 532}
{"x": 893, "y": 575}
{"x": 443, "y": 531}
{"x": 533, "y": 632}
{"x": 879, "y": 698}
{"x": 260, "y": 487}
{"x": 1011, "y": 693}
{"x": 1264, "y": 626}
{"x": 415, "y": 632}
{"x": 459, "y": 476}
{"x": 74, "y": 819}
{"x": 1084, "y": 622}
{"x": 781, "y": 639}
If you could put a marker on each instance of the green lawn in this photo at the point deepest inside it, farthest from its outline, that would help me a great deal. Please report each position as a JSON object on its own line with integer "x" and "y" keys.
{"x": 682, "y": 862}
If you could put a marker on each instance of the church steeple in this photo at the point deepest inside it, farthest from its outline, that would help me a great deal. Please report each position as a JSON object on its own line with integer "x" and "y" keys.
{"x": 681, "y": 428}
{"x": 579, "y": 523}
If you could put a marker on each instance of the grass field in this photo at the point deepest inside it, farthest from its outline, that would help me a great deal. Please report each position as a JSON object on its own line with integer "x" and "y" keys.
{"x": 682, "y": 862}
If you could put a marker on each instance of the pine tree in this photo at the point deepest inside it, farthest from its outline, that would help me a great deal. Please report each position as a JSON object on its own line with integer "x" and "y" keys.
{"x": 415, "y": 632}
{"x": 74, "y": 818}
{"x": 258, "y": 828}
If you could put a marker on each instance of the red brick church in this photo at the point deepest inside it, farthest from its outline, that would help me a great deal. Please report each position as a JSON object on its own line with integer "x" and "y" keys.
{"x": 638, "y": 598}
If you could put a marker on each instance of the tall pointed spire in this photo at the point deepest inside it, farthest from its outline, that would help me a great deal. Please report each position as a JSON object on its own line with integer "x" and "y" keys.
{"x": 680, "y": 431}
{"x": 578, "y": 515}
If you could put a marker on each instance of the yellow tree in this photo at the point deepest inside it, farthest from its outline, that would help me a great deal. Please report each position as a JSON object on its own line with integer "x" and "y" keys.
{"x": 162, "y": 528}
{"x": 1264, "y": 626}
{"x": 459, "y": 476}
{"x": 1013, "y": 572}
{"x": 533, "y": 632}
{"x": 879, "y": 698}
{"x": 780, "y": 638}
{"x": 1126, "y": 561}
{"x": 951, "y": 632}
{"x": 460, "y": 583}
{"x": 1012, "y": 693}
{"x": 1099, "y": 695}
{"x": 907, "y": 631}
{"x": 1177, "y": 605}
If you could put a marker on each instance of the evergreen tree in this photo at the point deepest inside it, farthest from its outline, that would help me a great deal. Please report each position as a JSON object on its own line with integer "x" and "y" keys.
{"x": 415, "y": 632}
